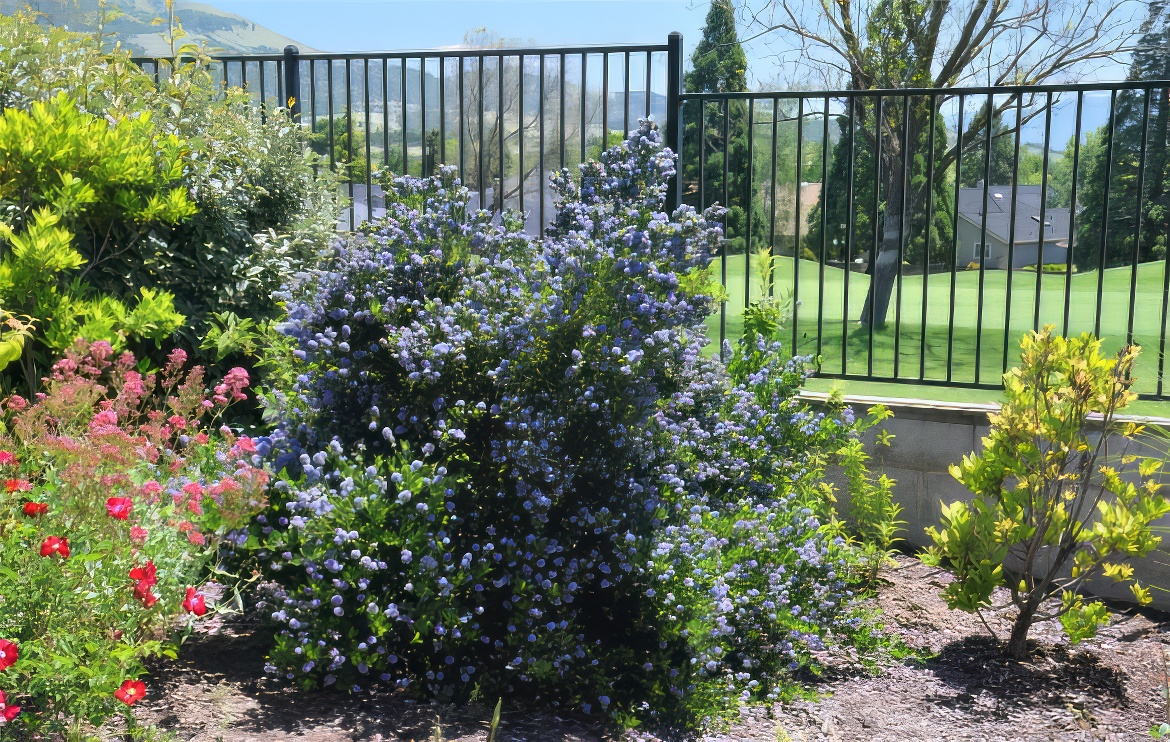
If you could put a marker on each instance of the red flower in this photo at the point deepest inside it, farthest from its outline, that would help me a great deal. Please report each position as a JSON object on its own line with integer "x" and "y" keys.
{"x": 34, "y": 509}
{"x": 7, "y": 713}
{"x": 119, "y": 507}
{"x": 131, "y": 692}
{"x": 7, "y": 459}
{"x": 8, "y": 654}
{"x": 195, "y": 602}
{"x": 17, "y": 485}
{"x": 142, "y": 592}
{"x": 55, "y": 545}
{"x": 145, "y": 574}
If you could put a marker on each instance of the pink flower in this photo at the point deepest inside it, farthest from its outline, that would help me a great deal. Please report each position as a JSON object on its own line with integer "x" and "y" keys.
{"x": 150, "y": 490}
{"x": 195, "y": 603}
{"x": 7, "y": 459}
{"x": 143, "y": 593}
{"x": 17, "y": 485}
{"x": 9, "y": 653}
{"x": 55, "y": 546}
{"x": 176, "y": 359}
{"x": 17, "y": 403}
{"x": 145, "y": 574}
{"x": 196, "y": 538}
{"x": 177, "y": 422}
{"x": 131, "y": 692}
{"x": 7, "y": 712}
{"x": 246, "y": 444}
{"x": 195, "y": 507}
{"x": 138, "y": 534}
{"x": 119, "y": 507}
{"x": 104, "y": 419}
{"x": 201, "y": 438}
{"x": 194, "y": 489}
{"x": 100, "y": 351}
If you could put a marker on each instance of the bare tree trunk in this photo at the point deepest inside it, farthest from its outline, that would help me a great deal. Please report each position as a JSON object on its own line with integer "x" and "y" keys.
{"x": 1017, "y": 647}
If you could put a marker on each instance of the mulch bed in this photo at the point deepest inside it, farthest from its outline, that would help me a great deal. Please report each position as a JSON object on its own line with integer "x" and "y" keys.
{"x": 961, "y": 688}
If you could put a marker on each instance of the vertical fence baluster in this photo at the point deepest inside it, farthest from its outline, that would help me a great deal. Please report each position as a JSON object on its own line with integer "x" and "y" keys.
{"x": 982, "y": 233}
{"x": 850, "y": 225}
{"x": 875, "y": 248}
{"x": 926, "y": 240}
{"x": 369, "y": 143}
{"x": 955, "y": 245}
{"x": 1011, "y": 260}
{"x": 1043, "y": 209}
{"x": 905, "y": 186}
{"x": 541, "y": 180}
{"x": 1137, "y": 227}
{"x": 349, "y": 141}
{"x": 750, "y": 196}
{"x": 824, "y": 226}
{"x": 726, "y": 206}
{"x": 1105, "y": 210}
{"x": 1072, "y": 212}
{"x": 796, "y": 250}
{"x": 772, "y": 202}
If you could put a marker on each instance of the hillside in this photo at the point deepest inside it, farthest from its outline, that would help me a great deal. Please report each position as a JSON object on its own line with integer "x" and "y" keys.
{"x": 222, "y": 31}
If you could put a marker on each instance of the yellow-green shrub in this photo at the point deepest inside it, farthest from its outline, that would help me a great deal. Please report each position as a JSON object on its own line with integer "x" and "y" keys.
{"x": 1049, "y": 494}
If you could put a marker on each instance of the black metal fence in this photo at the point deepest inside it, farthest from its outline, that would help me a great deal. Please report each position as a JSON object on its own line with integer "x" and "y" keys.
{"x": 914, "y": 234}
{"x": 507, "y": 117}
{"x": 917, "y": 234}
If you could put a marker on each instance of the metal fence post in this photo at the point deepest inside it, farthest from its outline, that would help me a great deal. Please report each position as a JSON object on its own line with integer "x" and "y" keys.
{"x": 673, "y": 123}
{"x": 292, "y": 82}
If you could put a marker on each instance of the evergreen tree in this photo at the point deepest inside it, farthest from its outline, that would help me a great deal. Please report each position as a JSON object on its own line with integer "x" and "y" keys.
{"x": 838, "y": 189}
{"x": 1151, "y": 61}
{"x": 1003, "y": 147}
{"x": 719, "y": 65}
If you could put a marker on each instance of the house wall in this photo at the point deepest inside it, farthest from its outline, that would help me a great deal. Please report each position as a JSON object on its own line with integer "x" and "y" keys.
{"x": 969, "y": 234}
{"x": 1023, "y": 255}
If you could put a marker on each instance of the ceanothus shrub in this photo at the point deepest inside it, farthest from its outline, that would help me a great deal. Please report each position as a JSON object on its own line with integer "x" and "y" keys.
{"x": 502, "y": 452}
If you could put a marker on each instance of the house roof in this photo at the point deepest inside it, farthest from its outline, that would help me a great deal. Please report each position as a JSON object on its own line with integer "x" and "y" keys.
{"x": 999, "y": 216}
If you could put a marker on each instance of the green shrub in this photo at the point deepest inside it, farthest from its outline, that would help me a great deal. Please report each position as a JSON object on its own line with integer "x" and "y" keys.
{"x": 1048, "y": 493}
{"x": 117, "y": 492}
{"x": 1049, "y": 268}
{"x": 245, "y": 173}
{"x": 77, "y": 191}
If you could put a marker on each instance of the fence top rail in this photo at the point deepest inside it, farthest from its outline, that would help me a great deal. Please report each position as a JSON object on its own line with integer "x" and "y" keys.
{"x": 427, "y": 53}
{"x": 1083, "y": 87}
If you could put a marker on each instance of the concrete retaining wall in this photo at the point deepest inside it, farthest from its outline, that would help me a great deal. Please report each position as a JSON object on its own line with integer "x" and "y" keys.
{"x": 929, "y": 436}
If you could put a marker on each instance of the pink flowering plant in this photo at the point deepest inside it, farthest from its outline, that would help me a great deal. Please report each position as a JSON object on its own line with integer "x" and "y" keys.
{"x": 118, "y": 491}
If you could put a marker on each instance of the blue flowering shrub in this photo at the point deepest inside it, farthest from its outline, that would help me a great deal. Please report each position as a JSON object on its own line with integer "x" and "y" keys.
{"x": 506, "y": 465}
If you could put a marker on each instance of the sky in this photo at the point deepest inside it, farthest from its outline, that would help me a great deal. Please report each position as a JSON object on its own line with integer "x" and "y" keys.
{"x": 381, "y": 25}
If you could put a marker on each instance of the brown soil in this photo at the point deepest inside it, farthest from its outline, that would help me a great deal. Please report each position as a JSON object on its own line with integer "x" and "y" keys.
{"x": 1110, "y": 688}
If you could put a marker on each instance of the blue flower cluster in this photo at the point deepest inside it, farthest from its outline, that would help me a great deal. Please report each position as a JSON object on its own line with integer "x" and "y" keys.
{"x": 507, "y": 463}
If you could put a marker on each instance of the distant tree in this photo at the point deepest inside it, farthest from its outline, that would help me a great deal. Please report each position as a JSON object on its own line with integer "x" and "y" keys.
{"x": 838, "y": 190}
{"x": 1003, "y": 147}
{"x": 879, "y": 44}
{"x": 719, "y": 65}
{"x": 1151, "y": 61}
{"x": 348, "y": 153}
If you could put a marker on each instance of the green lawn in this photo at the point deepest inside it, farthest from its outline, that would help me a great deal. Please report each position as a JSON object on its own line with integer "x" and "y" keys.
{"x": 826, "y": 334}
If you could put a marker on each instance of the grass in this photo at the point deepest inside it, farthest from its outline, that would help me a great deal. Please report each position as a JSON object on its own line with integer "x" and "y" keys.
{"x": 976, "y": 355}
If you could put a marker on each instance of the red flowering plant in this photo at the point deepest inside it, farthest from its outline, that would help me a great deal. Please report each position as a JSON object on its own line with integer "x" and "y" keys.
{"x": 118, "y": 489}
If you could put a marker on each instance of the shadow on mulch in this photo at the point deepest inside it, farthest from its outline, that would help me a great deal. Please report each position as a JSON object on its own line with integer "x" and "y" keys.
{"x": 236, "y": 658}
{"x": 1052, "y": 677}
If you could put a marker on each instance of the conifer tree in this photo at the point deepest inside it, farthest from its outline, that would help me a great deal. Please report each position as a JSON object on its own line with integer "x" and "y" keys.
{"x": 720, "y": 65}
